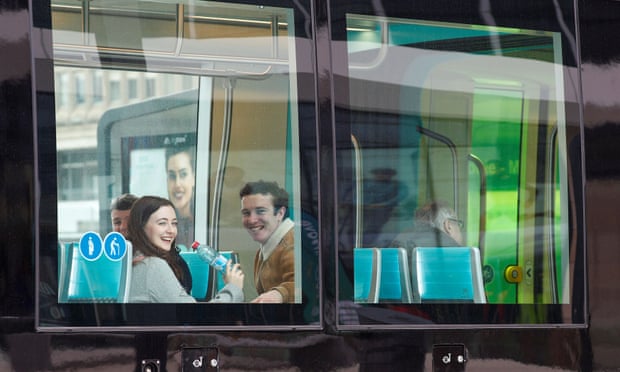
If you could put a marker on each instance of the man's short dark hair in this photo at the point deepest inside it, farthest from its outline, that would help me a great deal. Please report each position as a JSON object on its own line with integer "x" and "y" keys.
{"x": 280, "y": 196}
{"x": 123, "y": 202}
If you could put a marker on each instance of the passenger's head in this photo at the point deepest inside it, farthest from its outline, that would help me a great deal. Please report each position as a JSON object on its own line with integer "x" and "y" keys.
{"x": 263, "y": 207}
{"x": 119, "y": 212}
{"x": 442, "y": 217}
{"x": 153, "y": 226}
{"x": 181, "y": 178}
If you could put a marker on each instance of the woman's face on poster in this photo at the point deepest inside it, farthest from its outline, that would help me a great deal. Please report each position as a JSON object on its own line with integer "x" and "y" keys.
{"x": 181, "y": 181}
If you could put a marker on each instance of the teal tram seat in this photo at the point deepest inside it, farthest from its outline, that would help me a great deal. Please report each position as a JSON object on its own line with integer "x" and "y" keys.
{"x": 447, "y": 274}
{"x": 200, "y": 271}
{"x": 95, "y": 281}
{"x": 366, "y": 275}
{"x": 395, "y": 283}
{"x": 381, "y": 275}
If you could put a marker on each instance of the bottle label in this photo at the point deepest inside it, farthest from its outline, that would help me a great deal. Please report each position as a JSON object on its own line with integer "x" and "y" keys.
{"x": 219, "y": 263}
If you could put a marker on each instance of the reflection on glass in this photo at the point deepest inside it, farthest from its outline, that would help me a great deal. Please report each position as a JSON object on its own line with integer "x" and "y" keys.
{"x": 185, "y": 102}
{"x": 467, "y": 115}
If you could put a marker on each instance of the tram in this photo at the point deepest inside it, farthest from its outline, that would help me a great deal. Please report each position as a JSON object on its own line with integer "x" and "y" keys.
{"x": 365, "y": 113}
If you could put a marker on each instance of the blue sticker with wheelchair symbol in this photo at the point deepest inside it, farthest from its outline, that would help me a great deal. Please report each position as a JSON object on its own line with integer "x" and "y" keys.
{"x": 115, "y": 246}
{"x": 91, "y": 246}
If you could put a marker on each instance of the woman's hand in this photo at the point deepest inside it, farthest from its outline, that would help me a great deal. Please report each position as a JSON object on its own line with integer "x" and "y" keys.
{"x": 234, "y": 274}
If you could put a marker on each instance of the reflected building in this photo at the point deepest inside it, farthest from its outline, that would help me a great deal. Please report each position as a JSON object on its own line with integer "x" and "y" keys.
{"x": 83, "y": 96}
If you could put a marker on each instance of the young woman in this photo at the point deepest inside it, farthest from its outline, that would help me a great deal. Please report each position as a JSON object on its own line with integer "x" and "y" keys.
{"x": 157, "y": 275}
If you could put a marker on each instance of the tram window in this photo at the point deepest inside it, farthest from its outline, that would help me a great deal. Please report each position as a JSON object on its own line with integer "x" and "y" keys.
{"x": 188, "y": 103}
{"x": 457, "y": 137}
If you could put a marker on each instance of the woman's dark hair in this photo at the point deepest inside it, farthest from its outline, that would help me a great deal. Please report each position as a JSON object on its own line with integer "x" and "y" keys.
{"x": 175, "y": 150}
{"x": 141, "y": 211}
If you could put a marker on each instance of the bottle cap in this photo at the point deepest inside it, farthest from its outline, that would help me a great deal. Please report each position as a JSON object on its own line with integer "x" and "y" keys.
{"x": 195, "y": 245}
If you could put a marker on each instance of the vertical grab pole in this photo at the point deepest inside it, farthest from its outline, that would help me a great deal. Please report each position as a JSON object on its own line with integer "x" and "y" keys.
{"x": 482, "y": 224}
{"x": 448, "y": 142}
{"x": 359, "y": 190}
{"x": 229, "y": 86}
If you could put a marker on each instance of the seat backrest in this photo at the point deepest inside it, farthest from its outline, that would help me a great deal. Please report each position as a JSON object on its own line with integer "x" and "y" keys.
{"x": 395, "y": 282}
{"x": 447, "y": 274}
{"x": 480, "y": 294}
{"x": 96, "y": 280}
{"x": 366, "y": 274}
{"x": 64, "y": 267}
{"x": 126, "y": 270}
{"x": 200, "y": 271}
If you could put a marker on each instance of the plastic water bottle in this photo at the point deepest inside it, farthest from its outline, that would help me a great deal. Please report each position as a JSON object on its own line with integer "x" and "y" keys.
{"x": 210, "y": 255}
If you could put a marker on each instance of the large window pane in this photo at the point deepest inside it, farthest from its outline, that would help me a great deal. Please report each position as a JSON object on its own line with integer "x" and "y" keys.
{"x": 188, "y": 102}
{"x": 457, "y": 157}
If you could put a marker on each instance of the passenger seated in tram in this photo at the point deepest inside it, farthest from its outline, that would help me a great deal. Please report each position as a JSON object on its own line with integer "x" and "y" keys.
{"x": 435, "y": 225}
{"x": 119, "y": 212}
{"x": 157, "y": 275}
{"x": 264, "y": 215}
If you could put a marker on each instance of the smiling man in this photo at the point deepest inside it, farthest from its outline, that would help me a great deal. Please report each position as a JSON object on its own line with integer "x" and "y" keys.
{"x": 264, "y": 211}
